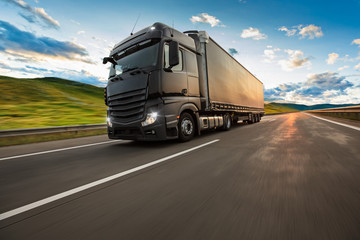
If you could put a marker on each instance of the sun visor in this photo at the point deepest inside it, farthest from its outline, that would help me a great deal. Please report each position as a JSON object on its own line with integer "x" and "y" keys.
{"x": 151, "y": 34}
{"x": 154, "y": 34}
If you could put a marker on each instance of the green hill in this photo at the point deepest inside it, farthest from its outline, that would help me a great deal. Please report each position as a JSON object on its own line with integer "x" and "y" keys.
{"x": 272, "y": 107}
{"x": 278, "y": 108}
{"x": 44, "y": 102}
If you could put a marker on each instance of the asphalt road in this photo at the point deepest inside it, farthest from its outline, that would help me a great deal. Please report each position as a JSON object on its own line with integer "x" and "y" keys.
{"x": 290, "y": 176}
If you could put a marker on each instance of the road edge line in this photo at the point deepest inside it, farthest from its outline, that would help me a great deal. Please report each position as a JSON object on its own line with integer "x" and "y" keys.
{"x": 341, "y": 124}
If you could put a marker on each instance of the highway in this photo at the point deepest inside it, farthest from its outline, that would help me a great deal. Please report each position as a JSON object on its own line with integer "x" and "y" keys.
{"x": 291, "y": 176}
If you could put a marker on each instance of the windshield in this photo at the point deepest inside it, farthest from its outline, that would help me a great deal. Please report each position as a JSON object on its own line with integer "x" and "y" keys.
{"x": 141, "y": 55}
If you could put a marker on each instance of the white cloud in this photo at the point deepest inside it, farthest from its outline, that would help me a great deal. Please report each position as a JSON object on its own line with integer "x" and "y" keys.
{"x": 357, "y": 66}
{"x": 326, "y": 87}
{"x": 332, "y": 57}
{"x": 42, "y": 14}
{"x": 327, "y": 81}
{"x": 331, "y": 93}
{"x": 97, "y": 39}
{"x": 342, "y": 68}
{"x": 206, "y": 18}
{"x": 346, "y": 58}
{"x": 289, "y": 32}
{"x": 253, "y": 33}
{"x": 73, "y": 21}
{"x": 295, "y": 60}
{"x": 35, "y": 12}
{"x": 270, "y": 54}
{"x": 81, "y": 32}
{"x": 311, "y": 31}
{"x": 356, "y": 41}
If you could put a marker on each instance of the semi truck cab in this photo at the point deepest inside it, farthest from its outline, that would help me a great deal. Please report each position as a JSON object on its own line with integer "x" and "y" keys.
{"x": 152, "y": 73}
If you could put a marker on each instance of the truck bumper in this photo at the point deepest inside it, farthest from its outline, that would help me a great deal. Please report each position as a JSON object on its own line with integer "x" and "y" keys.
{"x": 134, "y": 131}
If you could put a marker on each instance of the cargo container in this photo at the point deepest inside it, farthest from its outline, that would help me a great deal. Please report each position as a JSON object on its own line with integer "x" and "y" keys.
{"x": 166, "y": 84}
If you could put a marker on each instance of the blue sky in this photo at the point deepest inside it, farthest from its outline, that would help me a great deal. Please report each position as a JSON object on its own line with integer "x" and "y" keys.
{"x": 303, "y": 51}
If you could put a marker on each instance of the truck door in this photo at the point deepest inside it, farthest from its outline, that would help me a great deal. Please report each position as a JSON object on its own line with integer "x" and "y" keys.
{"x": 192, "y": 76}
{"x": 174, "y": 88}
{"x": 174, "y": 82}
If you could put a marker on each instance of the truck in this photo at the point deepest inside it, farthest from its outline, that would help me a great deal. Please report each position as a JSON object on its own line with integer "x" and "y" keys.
{"x": 166, "y": 84}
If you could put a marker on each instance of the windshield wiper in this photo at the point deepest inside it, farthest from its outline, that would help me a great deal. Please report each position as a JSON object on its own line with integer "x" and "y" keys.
{"x": 130, "y": 69}
{"x": 139, "y": 70}
{"x": 116, "y": 78}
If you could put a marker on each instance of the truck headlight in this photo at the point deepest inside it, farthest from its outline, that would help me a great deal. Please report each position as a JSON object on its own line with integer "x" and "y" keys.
{"x": 108, "y": 120}
{"x": 150, "y": 119}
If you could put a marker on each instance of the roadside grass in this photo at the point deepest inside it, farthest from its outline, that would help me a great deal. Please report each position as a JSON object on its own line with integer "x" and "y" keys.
{"x": 34, "y": 138}
{"x": 47, "y": 102}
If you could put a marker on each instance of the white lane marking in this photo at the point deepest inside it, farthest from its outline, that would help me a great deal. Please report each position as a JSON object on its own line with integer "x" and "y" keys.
{"x": 342, "y": 124}
{"x": 57, "y": 150}
{"x": 93, "y": 184}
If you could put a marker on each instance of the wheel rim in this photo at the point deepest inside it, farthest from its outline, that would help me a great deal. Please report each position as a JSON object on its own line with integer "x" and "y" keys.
{"x": 187, "y": 127}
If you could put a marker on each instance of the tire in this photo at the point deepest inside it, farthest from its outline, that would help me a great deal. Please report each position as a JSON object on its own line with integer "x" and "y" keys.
{"x": 252, "y": 119}
{"x": 227, "y": 122}
{"x": 186, "y": 127}
{"x": 256, "y": 118}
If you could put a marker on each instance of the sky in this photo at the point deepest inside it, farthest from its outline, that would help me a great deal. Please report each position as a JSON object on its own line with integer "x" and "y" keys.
{"x": 305, "y": 52}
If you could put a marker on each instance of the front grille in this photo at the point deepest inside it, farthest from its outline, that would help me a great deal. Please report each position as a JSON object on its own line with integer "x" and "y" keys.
{"x": 127, "y": 107}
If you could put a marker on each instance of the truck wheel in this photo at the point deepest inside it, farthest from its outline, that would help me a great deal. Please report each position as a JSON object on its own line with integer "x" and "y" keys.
{"x": 251, "y": 118}
{"x": 227, "y": 122}
{"x": 186, "y": 127}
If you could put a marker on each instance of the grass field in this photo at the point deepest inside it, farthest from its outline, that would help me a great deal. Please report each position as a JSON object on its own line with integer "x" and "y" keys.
{"x": 45, "y": 102}
{"x": 277, "y": 108}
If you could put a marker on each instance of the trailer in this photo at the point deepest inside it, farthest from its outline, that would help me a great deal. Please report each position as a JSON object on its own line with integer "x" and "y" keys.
{"x": 165, "y": 84}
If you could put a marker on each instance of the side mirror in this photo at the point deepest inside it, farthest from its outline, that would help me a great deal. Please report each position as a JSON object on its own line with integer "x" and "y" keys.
{"x": 173, "y": 53}
{"x": 109, "y": 59}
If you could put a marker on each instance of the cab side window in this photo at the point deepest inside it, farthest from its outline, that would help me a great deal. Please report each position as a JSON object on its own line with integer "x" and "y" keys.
{"x": 178, "y": 67}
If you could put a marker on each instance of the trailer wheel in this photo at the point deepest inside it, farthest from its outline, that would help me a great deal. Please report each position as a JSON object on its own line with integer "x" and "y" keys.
{"x": 227, "y": 122}
{"x": 186, "y": 127}
{"x": 251, "y": 118}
